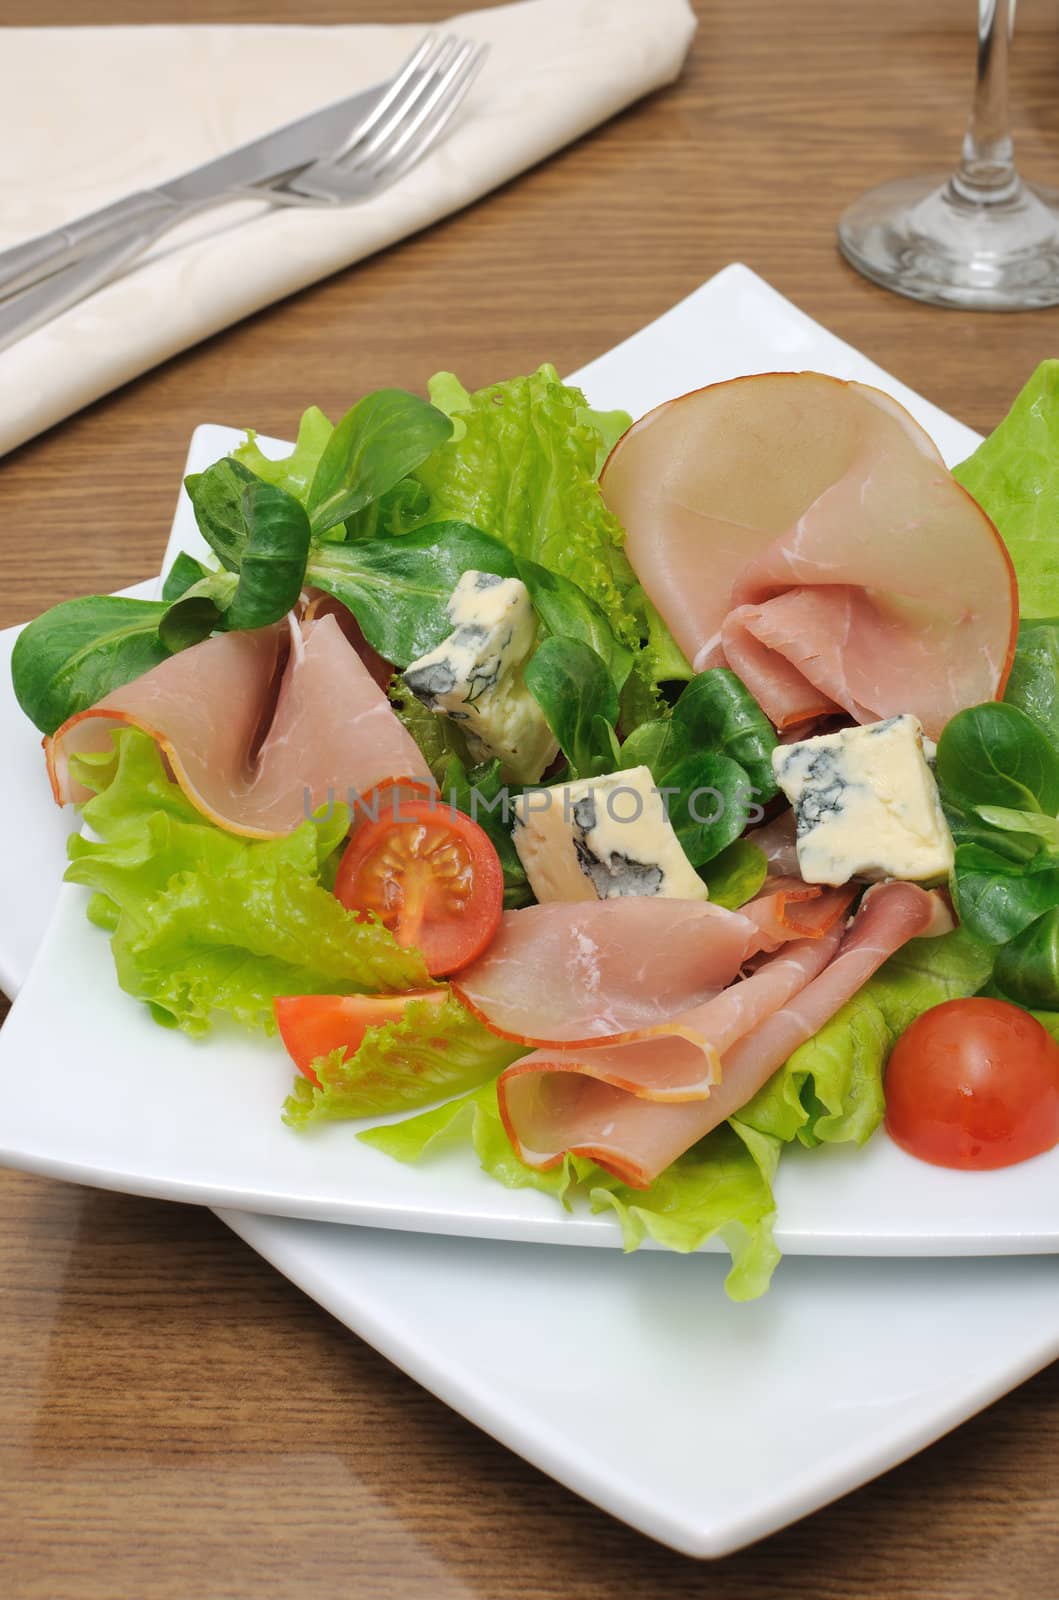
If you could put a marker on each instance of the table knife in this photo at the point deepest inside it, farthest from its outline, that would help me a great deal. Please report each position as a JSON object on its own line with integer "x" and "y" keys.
{"x": 277, "y": 153}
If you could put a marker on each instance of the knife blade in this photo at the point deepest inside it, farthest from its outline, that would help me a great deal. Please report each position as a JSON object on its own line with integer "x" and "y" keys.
{"x": 282, "y": 151}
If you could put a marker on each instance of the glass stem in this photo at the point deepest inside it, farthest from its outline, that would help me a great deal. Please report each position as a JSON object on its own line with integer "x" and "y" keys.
{"x": 986, "y": 174}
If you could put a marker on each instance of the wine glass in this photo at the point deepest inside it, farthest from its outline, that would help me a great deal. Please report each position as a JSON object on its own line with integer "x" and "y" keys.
{"x": 981, "y": 238}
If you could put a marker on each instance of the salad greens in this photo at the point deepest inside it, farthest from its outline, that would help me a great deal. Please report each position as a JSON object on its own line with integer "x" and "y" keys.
{"x": 1027, "y": 967}
{"x": 203, "y": 921}
{"x": 999, "y": 778}
{"x": 524, "y": 467}
{"x": 398, "y": 588}
{"x": 998, "y": 765}
{"x": 573, "y": 688}
{"x": 429, "y": 1052}
{"x": 1014, "y": 476}
{"x": 74, "y": 654}
{"x": 1034, "y": 682}
{"x": 735, "y": 875}
{"x": 720, "y": 714}
{"x": 376, "y": 444}
{"x": 568, "y": 613}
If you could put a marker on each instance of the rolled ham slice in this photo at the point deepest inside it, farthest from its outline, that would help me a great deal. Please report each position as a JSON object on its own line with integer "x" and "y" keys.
{"x": 576, "y": 972}
{"x": 604, "y": 1104}
{"x": 806, "y": 533}
{"x": 259, "y": 728}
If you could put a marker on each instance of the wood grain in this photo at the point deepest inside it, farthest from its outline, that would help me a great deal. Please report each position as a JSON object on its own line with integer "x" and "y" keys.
{"x": 175, "y": 1419}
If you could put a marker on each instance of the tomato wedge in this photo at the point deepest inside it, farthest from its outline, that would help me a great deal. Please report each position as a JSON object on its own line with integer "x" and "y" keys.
{"x": 974, "y": 1084}
{"x": 431, "y": 875}
{"x": 312, "y": 1025}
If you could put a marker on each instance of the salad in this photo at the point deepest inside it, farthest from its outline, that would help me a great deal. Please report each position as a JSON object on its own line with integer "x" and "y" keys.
{"x": 625, "y": 801}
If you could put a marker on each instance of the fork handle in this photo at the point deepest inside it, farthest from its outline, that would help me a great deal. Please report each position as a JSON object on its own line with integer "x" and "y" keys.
{"x": 25, "y": 264}
{"x": 21, "y": 313}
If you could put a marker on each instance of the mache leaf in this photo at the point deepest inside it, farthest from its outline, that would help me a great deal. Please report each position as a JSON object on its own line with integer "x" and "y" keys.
{"x": 383, "y": 438}
{"x": 80, "y": 650}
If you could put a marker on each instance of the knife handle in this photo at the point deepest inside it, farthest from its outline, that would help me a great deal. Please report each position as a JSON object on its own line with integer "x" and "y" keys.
{"x": 21, "y": 313}
{"x": 25, "y": 264}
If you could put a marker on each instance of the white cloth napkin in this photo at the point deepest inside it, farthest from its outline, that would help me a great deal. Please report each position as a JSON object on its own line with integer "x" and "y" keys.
{"x": 100, "y": 112}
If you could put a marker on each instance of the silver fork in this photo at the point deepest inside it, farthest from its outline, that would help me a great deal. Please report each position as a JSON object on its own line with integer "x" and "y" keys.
{"x": 408, "y": 120}
{"x": 400, "y": 129}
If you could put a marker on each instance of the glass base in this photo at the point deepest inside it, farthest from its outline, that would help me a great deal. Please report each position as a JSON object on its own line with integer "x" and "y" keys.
{"x": 922, "y": 237}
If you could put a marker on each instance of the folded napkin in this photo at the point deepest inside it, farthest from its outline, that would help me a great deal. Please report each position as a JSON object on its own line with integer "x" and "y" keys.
{"x": 127, "y": 107}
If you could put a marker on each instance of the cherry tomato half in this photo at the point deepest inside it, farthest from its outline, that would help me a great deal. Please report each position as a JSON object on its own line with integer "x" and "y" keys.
{"x": 433, "y": 877}
{"x": 312, "y": 1025}
{"x": 974, "y": 1084}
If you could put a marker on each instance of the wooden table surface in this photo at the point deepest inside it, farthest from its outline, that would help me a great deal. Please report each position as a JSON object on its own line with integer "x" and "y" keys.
{"x": 175, "y": 1418}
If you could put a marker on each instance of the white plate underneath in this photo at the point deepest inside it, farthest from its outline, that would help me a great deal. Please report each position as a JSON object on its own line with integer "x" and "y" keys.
{"x": 845, "y": 1368}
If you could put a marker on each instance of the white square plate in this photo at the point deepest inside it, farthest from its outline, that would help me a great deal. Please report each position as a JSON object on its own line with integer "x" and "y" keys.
{"x": 200, "y": 1121}
{"x": 844, "y": 1368}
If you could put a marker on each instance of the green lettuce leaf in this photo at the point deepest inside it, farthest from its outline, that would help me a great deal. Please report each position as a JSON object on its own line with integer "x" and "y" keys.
{"x": 205, "y": 922}
{"x": 576, "y": 692}
{"x": 439, "y": 738}
{"x": 428, "y": 1053}
{"x": 293, "y": 472}
{"x": 1034, "y": 683}
{"x": 736, "y": 875}
{"x": 1014, "y": 476}
{"x": 721, "y": 714}
{"x": 721, "y": 1187}
{"x": 377, "y": 443}
{"x": 997, "y": 897}
{"x": 831, "y": 1088}
{"x": 523, "y": 468}
{"x": 71, "y": 656}
{"x": 568, "y": 613}
{"x": 474, "y": 1119}
{"x": 610, "y": 425}
{"x": 1027, "y": 969}
{"x": 398, "y": 589}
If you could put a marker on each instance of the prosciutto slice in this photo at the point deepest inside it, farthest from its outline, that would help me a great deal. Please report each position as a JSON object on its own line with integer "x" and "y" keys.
{"x": 605, "y": 1103}
{"x": 259, "y": 728}
{"x": 788, "y": 908}
{"x": 779, "y": 841}
{"x": 805, "y": 532}
{"x": 577, "y": 972}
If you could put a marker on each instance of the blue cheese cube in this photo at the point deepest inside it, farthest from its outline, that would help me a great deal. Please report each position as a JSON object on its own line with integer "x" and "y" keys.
{"x": 866, "y": 804}
{"x": 476, "y": 676}
{"x": 601, "y": 838}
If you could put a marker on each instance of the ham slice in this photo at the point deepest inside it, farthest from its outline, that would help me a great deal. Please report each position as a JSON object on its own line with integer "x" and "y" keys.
{"x": 576, "y": 972}
{"x": 788, "y": 908}
{"x": 779, "y": 841}
{"x": 605, "y": 1103}
{"x": 806, "y": 533}
{"x": 259, "y": 728}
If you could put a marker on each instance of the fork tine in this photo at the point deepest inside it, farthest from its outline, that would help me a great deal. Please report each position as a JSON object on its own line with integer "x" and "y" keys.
{"x": 422, "y": 56}
{"x": 362, "y": 148}
{"x": 433, "y": 117}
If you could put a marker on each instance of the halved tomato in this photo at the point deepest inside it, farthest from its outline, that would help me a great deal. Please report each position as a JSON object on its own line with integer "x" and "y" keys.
{"x": 431, "y": 875}
{"x": 312, "y": 1025}
{"x": 974, "y": 1084}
